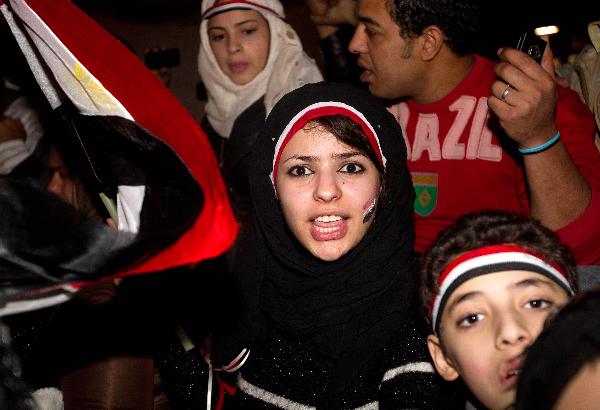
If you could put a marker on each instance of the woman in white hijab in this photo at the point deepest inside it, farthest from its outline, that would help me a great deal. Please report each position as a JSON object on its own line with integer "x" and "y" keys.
{"x": 249, "y": 58}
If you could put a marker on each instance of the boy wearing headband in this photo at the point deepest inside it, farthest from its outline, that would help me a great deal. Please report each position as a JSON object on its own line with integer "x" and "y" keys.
{"x": 488, "y": 282}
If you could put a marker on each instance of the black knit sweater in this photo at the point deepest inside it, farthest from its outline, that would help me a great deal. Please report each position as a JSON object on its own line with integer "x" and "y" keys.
{"x": 292, "y": 375}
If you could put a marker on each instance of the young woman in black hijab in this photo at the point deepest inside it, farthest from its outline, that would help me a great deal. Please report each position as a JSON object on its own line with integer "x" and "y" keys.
{"x": 327, "y": 269}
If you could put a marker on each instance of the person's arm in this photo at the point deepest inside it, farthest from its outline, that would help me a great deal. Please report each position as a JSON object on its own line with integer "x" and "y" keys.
{"x": 558, "y": 192}
{"x": 577, "y": 121}
{"x": 20, "y": 131}
{"x": 335, "y": 21}
{"x": 329, "y": 15}
{"x": 11, "y": 129}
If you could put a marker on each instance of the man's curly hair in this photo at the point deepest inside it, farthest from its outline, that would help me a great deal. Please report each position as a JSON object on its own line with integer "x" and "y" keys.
{"x": 458, "y": 19}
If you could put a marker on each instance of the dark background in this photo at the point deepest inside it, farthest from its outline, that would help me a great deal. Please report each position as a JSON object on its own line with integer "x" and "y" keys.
{"x": 503, "y": 20}
{"x": 146, "y": 24}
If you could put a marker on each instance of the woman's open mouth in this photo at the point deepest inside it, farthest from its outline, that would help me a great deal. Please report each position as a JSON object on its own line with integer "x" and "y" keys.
{"x": 328, "y": 227}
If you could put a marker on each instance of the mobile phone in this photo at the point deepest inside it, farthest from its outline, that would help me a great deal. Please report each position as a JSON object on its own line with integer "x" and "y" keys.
{"x": 163, "y": 58}
{"x": 531, "y": 44}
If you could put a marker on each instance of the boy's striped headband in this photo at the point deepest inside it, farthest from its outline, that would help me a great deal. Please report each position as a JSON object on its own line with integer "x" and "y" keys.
{"x": 323, "y": 109}
{"x": 237, "y": 4}
{"x": 490, "y": 259}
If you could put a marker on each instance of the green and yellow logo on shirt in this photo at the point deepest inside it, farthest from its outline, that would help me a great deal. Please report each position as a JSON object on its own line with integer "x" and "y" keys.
{"x": 426, "y": 190}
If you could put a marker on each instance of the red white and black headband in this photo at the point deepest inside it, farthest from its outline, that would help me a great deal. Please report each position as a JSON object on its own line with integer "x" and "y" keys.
{"x": 324, "y": 109}
{"x": 236, "y": 5}
{"x": 490, "y": 259}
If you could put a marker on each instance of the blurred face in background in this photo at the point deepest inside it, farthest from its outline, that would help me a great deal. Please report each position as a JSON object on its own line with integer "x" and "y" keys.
{"x": 61, "y": 182}
{"x": 240, "y": 41}
{"x": 64, "y": 183}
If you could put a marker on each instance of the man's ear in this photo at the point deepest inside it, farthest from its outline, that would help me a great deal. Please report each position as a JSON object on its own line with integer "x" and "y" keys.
{"x": 442, "y": 363}
{"x": 432, "y": 40}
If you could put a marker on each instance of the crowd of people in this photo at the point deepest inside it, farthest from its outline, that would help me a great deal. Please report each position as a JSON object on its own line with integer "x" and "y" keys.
{"x": 412, "y": 229}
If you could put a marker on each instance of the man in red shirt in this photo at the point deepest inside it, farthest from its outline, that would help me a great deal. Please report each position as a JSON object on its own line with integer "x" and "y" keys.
{"x": 473, "y": 141}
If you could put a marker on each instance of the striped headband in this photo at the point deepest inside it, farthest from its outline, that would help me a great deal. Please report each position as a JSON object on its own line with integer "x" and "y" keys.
{"x": 490, "y": 259}
{"x": 237, "y": 4}
{"x": 323, "y": 109}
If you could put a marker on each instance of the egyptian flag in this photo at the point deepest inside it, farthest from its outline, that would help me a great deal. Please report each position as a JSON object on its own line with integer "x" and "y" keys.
{"x": 137, "y": 150}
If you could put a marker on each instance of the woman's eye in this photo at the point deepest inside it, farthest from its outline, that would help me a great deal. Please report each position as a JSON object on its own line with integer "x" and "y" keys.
{"x": 249, "y": 31}
{"x": 538, "y": 304}
{"x": 217, "y": 37}
{"x": 299, "y": 171}
{"x": 352, "y": 168}
{"x": 470, "y": 320}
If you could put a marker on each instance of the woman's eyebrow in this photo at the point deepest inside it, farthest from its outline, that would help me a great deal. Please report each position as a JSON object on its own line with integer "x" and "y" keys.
{"x": 303, "y": 158}
{"x": 346, "y": 155}
{"x": 235, "y": 25}
{"x": 246, "y": 21}
{"x": 336, "y": 156}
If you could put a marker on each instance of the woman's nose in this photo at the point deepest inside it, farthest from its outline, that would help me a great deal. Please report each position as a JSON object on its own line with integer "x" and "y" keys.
{"x": 234, "y": 44}
{"x": 327, "y": 187}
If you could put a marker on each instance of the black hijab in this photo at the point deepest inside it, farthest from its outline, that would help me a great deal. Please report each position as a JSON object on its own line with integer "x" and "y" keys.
{"x": 350, "y": 307}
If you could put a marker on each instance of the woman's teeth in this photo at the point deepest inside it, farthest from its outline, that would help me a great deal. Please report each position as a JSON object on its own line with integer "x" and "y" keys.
{"x": 328, "y": 218}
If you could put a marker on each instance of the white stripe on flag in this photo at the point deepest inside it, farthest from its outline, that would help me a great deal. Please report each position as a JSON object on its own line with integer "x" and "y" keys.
{"x": 129, "y": 207}
{"x": 82, "y": 88}
{"x": 34, "y": 63}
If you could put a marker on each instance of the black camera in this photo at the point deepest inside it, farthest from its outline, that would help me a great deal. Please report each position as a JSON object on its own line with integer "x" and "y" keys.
{"x": 532, "y": 45}
{"x": 155, "y": 60}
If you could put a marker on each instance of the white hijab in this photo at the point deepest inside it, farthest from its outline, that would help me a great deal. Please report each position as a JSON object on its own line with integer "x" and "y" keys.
{"x": 287, "y": 68}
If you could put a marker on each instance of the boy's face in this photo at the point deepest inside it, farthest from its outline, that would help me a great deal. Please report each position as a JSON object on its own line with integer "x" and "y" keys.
{"x": 487, "y": 323}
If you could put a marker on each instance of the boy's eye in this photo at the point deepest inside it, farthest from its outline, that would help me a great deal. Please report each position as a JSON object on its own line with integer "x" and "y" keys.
{"x": 300, "y": 171}
{"x": 352, "y": 168}
{"x": 538, "y": 304}
{"x": 470, "y": 320}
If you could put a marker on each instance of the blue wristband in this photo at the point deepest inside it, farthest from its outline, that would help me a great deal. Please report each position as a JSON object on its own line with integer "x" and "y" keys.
{"x": 542, "y": 147}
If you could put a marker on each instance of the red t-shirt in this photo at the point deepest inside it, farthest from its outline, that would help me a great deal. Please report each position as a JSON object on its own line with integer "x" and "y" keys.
{"x": 459, "y": 164}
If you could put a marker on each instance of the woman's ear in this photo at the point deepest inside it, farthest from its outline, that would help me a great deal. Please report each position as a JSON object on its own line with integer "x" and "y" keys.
{"x": 442, "y": 362}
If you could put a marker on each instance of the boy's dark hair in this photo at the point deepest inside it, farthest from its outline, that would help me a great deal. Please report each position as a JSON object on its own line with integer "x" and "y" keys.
{"x": 485, "y": 228}
{"x": 458, "y": 19}
{"x": 569, "y": 342}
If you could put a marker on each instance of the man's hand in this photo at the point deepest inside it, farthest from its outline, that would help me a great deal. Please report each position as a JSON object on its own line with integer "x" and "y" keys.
{"x": 558, "y": 194}
{"x": 526, "y": 108}
{"x": 332, "y": 12}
